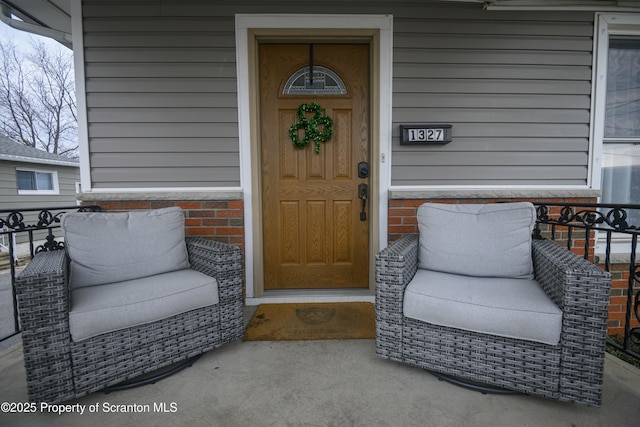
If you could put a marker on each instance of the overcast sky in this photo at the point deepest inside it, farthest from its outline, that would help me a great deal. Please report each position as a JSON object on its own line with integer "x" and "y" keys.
{"x": 22, "y": 39}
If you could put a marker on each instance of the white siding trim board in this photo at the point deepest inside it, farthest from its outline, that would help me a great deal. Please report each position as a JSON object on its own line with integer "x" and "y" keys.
{"x": 490, "y": 192}
{"x": 81, "y": 93}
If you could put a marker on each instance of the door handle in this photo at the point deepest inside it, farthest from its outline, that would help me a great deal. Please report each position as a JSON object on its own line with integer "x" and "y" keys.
{"x": 363, "y": 193}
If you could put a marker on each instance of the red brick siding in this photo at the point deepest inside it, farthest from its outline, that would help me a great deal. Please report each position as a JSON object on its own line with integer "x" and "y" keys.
{"x": 618, "y": 303}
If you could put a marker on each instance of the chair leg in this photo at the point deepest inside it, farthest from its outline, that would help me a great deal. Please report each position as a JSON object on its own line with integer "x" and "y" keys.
{"x": 153, "y": 377}
{"x": 471, "y": 385}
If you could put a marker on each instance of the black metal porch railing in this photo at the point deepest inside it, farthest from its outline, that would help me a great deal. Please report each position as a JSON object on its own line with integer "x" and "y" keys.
{"x": 26, "y": 227}
{"x": 608, "y": 235}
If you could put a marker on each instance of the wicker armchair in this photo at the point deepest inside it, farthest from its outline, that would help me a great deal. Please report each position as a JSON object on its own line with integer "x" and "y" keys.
{"x": 571, "y": 370}
{"x": 60, "y": 367}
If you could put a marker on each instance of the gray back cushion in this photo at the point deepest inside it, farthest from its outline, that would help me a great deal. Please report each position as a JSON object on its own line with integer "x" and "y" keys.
{"x": 484, "y": 240}
{"x": 112, "y": 247}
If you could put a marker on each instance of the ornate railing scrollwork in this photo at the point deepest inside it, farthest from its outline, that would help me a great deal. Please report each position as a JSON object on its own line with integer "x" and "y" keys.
{"x": 614, "y": 219}
{"x": 634, "y": 332}
{"x": 51, "y": 245}
{"x": 34, "y": 224}
{"x": 600, "y": 222}
{"x": 15, "y": 219}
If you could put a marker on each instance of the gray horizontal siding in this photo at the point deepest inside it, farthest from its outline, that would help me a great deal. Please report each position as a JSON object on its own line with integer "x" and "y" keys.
{"x": 503, "y": 144}
{"x": 497, "y": 100}
{"x": 124, "y": 55}
{"x": 162, "y": 115}
{"x": 162, "y": 103}
{"x": 494, "y": 71}
{"x": 158, "y": 177}
{"x": 481, "y": 41}
{"x": 469, "y": 22}
{"x": 165, "y": 160}
{"x": 516, "y": 92}
{"x": 132, "y": 86}
{"x": 116, "y": 100}
{"x": 489, "y": 86}
{"x": 184, "y": 70}
{"x": 161, "y": 98}
{"x": 489, "y": 56}
{"x": 522, "y": 158}
{"x": 144, "y": 130}
{"x": 493, "y": 115}
{"x": 164, "y": 145}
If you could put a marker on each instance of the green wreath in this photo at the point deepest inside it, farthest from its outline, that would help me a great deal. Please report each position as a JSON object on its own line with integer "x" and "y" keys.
{"x": 310, "y": 127}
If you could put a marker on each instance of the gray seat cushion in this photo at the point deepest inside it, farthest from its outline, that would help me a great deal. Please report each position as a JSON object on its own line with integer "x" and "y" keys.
{"x": 507, "y": 307}
{"x": 491, "y": 240}
{"x": 113, "y": 247}
{"x": 99, "y": 309}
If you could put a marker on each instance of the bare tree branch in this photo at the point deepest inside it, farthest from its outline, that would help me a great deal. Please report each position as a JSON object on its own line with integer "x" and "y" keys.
{"x": 37, "y": 97}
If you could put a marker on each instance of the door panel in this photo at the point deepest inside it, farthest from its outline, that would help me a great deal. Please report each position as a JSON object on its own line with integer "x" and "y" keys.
{"x": 313, "y": 234}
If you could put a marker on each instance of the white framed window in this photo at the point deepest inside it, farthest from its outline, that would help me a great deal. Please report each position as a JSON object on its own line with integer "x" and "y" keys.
{"x": 617, "y": 113}
{"x": 621, "y": 141}
{"x": 323, "y": 82}
{"x": 35, "y": 182}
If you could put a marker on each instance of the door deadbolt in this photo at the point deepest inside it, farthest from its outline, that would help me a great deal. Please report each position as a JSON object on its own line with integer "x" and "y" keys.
{"x": 363, "y": 170}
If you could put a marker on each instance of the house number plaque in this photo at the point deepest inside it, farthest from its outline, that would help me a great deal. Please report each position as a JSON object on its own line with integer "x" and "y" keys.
{"x": 425, "y": 134}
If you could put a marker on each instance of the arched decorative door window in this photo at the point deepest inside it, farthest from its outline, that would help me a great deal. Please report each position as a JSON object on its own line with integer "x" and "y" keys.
{"x": 324, "y": 82}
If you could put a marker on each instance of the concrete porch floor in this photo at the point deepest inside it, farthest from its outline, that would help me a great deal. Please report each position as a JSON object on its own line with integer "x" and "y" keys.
{"x": 317, "y": 383}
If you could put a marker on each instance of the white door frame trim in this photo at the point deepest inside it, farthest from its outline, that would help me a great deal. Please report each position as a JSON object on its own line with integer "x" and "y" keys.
{"x": 248, "y": 28}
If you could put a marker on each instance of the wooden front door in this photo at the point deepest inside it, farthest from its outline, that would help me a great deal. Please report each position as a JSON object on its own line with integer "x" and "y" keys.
{"x": 315, "y": 232}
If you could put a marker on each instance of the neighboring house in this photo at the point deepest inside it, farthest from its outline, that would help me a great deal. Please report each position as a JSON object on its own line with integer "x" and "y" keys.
{"x": 31, "y": 178}
{"x": 199, "y": 104}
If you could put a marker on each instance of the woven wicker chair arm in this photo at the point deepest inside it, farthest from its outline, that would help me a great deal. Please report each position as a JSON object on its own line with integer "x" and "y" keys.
{"x": 53, "y": 262}
{"x": 213, "y": 258}
{"x": 42, "y": 290}
{"x": 569, "y": 280}
{"x": 581, "y": 290}
{"x": 395, "y": 267}
{"x": 222, "y": 261}
{"x": 397, "y": 264}
{"x": 401, "y": 248}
